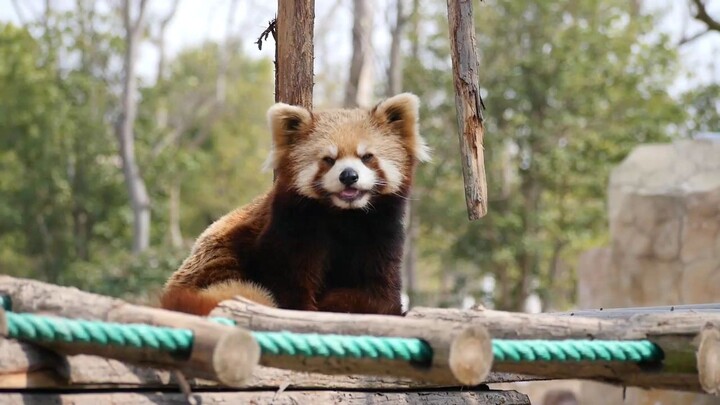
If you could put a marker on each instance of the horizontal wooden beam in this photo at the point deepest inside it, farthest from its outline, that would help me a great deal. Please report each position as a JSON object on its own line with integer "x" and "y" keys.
{"x": 29, "y": 366}
{"x": 219, "y": 352}
{"x": 623, "y": 313}
{"x": 265, "y": 397}
{"x": 461, "y": 355}
{"x": 676, "y": 333}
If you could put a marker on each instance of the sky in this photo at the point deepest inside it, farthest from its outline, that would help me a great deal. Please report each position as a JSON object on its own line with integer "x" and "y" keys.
{"x": 197, "y": 21}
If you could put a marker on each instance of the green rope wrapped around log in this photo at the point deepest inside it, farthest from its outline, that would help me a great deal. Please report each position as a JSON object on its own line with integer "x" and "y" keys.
{"x": 47, "y": 328}
{"x": 54, "y": 329}
{"x": 575, "y": 350}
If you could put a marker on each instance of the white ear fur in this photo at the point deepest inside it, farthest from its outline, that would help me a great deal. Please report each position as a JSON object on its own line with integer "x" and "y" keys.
{"x": 407, "y": 106}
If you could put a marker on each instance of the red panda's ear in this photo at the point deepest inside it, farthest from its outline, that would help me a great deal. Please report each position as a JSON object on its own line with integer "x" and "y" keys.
{"x": 287, "y": 123}
{"x": 401, "y": 113}
{"x": 401, "y": 108}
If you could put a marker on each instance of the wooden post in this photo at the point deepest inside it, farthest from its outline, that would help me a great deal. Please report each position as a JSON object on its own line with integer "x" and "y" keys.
{"x": 295, "y": 23}
{"x": 469, "y": 105}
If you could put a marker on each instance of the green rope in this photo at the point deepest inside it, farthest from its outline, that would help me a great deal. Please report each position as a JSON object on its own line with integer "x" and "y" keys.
{"x": 5, "y": 302}
{"x": 575, "y": 350}
{"x": 324, "y": 345}
{"x": 45, "y": 328}
{"x": 504, "y": 350}
{"x": 343, "y": 346}
{"x": 51, "y": 329}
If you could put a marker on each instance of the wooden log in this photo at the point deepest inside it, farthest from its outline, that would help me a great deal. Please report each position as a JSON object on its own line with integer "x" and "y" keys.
{"x": 452, "y": 345}
{"x": 265, "y": 397}
{"x": 295, "y": 23}
{"x": 469, "y": 105}
{"x": 25, "y": 365}
{"x": 223, "y": 353}
{"x": 38, "y": 297}
{"x": 675, "y": 333}
{"x": 708, "y": 359}
{"x": 624, "y": 313}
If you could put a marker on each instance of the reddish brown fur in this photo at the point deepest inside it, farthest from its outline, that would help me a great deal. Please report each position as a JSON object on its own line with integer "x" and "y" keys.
{"x": 304, "y": 252}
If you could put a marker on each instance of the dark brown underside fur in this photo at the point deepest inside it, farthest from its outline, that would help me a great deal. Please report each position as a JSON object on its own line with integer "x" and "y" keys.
{"x": 308, "y": 254}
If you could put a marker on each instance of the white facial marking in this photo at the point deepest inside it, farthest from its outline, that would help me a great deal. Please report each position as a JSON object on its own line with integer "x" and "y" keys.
{"x": 333, "y": 151}
{"x": 304, "y": 180}
{"x": 361, "y": 149}
{"x": 393, "y": 176}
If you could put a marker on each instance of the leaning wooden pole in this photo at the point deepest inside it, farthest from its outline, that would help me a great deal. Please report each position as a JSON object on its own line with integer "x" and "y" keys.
{"x": 295, "y": 52}
{"x": 469, "y": 105}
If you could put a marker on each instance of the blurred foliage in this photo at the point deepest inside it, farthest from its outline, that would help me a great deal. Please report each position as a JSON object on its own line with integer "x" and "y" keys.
{"x": 64, "y": 216}
{"x": 570, "y": 87}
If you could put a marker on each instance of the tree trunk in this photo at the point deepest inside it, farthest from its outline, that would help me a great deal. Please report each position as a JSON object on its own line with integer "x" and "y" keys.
{"x": 294, "y": 84}
{"x": 359, "y": 89}
{"x": 395, "y": 68}
{"x": 139, "y": 198}
{"x": 394, "y": 86}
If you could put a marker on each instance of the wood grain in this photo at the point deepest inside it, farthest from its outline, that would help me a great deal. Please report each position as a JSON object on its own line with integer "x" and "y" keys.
{"x": 295, "y": 23}
{"x": 469, "y": 105}
{"x": 285, "y": 397}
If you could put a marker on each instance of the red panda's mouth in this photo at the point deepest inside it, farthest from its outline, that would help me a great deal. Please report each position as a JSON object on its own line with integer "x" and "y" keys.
{"x": 350, "y": 194}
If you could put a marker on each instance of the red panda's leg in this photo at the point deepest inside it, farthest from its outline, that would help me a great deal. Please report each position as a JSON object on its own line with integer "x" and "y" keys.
{"x": 358, "y": 300}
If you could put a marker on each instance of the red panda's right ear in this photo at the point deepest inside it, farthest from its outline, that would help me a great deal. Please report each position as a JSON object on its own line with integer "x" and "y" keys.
{"x": 287, "y": 123}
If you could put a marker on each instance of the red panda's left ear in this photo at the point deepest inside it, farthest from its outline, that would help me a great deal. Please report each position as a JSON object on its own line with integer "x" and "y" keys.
{"x": 287, "y": 124}
{"x": 401, "y": 113}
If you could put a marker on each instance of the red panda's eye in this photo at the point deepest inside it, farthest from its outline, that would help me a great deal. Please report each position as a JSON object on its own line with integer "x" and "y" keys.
{"x": 367, "y": 157}
{"x": 329, "y": 160}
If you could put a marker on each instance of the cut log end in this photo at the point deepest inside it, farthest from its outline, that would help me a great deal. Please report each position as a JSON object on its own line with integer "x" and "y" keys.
{"x": 471, "y": 356}
{"x": 3, "y": 323}
{"x": 235, "y": 357}
{"x": 708, "y": 359}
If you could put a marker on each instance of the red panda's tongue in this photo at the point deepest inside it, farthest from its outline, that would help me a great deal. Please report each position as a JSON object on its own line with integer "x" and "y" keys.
{"x": 349, "y": 193}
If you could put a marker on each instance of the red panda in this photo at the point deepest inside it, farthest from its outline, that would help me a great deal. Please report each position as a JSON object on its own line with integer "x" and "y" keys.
{"x": 329, "y": 234}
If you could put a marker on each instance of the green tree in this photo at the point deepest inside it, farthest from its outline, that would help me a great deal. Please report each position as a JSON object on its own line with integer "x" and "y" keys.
{"x": 703, "y": 105}
{"x": 571, "y": 87}
{"x": 59, "y": 183}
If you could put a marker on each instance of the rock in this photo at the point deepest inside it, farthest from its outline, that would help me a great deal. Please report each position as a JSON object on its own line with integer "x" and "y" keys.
{"x": 664, "y": 214}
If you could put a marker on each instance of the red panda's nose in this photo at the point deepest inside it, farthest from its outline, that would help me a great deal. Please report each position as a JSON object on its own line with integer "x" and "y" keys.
{"x": 348, "y": 177}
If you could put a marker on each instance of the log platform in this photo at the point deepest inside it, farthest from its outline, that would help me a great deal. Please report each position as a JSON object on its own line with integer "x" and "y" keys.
{"x": 466, "y": 353}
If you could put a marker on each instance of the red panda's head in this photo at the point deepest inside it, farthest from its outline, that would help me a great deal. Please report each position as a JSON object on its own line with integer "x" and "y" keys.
{"x": 347, "y": 156}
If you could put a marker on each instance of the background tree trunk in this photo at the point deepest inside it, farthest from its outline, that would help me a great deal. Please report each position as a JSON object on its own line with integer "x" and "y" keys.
{"x": 394, "y": 86}
{"x": 295, "y": 23}
{"x": 359, "y": 89}
{"x": 139, "y": 198}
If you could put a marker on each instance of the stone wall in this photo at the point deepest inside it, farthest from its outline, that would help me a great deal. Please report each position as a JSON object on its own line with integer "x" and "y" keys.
{"x": 664, "y": 213}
